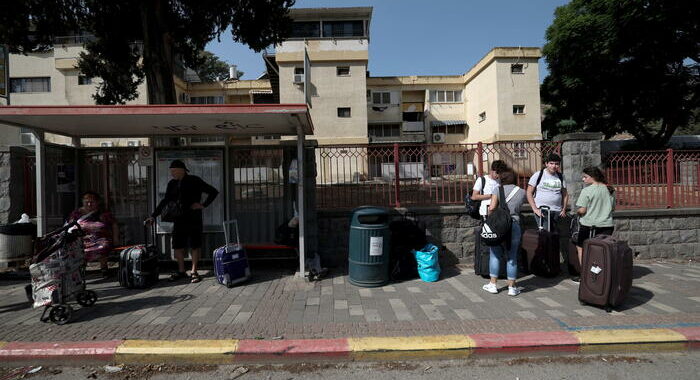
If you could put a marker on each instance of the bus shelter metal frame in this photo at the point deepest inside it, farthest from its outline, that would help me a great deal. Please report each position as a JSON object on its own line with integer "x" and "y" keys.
{"x": 151, "y": 121}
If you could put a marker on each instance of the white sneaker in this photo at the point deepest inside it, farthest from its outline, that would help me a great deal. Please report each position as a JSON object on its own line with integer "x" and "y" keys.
{"x": 513, "y": 291}
{"x": 491, "y": 288}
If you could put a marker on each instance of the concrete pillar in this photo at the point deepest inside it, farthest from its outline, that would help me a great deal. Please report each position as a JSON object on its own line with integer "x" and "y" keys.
{"x": 579, "y": 150}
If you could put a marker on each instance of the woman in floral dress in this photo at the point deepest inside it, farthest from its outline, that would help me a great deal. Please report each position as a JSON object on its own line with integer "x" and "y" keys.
{"x": 100, "y": 228}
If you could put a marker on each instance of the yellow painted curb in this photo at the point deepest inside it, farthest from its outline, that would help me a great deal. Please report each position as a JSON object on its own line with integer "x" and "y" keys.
{"x": 177, "y": 347}
{"x": 628, "y": 336}
{"x": 3, "y": 344}
{"x": 438, "y": 342}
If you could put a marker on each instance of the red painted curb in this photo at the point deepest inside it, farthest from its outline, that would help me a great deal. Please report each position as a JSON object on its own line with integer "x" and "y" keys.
{"x": 531, "y": 340}
{"x": 293, "y": 346}
{"x": 103, "y": 350}
{"x": 692, "y": 334}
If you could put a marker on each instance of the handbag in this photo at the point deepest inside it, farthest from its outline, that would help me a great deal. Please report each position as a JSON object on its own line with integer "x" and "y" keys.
{"x": 171, "y": 212}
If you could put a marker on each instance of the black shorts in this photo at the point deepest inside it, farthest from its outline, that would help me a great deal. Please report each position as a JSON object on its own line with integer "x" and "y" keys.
{"x": 187, "y": 233}
{"x": 584, "y": 233}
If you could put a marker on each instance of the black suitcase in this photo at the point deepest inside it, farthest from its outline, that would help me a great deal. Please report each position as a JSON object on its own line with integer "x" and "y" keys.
{"x": 542, "y": 247}
{"x": 606, "y": 272}
{"x": 138, "y": 264}
{"x": 482, "y": 255}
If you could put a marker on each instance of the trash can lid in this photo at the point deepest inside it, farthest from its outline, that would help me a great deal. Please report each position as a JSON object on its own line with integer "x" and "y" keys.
{"x": 18, "y": 229}
{"x": 370, "y": 215}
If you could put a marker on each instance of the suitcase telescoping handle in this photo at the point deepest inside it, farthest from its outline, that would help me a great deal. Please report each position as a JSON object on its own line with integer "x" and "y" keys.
{"x": 227, "y": 231}
{"x": 544, "y": 209}
{"x": 149, "y": 231}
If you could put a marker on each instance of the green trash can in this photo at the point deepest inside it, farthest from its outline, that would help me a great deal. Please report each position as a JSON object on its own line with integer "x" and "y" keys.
{"x": 369, "y": 247}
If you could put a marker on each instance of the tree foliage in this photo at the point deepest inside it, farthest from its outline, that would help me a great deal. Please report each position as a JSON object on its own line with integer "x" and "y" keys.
{"x": 212, "y": 68}
{"x": 623, "y": 66}
{"x": 137, "y": 39}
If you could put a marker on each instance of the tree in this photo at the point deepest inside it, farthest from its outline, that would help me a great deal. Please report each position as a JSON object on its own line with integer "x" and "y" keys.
{"x": 135, "y": 39}
{"x": 623, "y": 66}
{"x": 213, "y": 68}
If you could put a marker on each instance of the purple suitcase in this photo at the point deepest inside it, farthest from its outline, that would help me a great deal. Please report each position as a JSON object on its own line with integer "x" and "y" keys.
{"x": 230, "y": 261}
{"x": 606, "y": 272}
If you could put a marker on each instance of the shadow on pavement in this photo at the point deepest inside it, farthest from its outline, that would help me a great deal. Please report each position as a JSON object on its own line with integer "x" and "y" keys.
{"x": 636, "y": 297}
{"x": 110, "y": 309}
{"x": 639, "y": 272}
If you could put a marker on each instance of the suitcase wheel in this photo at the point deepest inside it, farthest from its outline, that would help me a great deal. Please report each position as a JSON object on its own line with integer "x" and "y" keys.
{"x": 60, "y": 314}
{"x": 86, "y": 298}
{"x": 608, "y": 309}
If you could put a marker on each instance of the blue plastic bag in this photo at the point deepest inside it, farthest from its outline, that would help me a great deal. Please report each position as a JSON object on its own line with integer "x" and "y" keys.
{"x": 428, "y": 265}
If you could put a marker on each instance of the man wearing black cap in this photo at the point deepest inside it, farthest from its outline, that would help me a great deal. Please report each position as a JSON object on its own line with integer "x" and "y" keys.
{"x": 187, "y": 229}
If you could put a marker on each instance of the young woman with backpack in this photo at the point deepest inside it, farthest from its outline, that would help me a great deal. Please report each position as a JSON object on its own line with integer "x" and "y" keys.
{"x": 514, "y": 198}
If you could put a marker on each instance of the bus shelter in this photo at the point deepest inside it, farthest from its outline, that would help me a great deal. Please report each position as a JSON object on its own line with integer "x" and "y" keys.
{"x": 169, "y": 122}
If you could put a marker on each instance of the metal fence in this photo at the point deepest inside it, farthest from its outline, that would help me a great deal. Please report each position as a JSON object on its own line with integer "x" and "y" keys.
{"x": 655, "y": 179}
{"x": 417, "y": 175}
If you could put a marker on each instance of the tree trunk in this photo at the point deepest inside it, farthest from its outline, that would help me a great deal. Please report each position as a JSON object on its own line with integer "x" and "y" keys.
{"x": 158, "y": 59}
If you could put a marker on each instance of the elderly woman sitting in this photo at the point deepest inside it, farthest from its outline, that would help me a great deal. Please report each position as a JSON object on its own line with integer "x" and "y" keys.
{"x": 100, "y": 228}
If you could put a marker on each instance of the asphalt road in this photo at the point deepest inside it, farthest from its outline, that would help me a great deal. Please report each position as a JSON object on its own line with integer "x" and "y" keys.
{"x": 669, "y": 365}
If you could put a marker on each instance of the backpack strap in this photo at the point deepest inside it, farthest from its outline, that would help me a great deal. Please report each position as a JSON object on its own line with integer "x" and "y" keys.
{"x": 539, "y": 179}
{"x": 512, "y": 194}
{"x": 483, "y": 184}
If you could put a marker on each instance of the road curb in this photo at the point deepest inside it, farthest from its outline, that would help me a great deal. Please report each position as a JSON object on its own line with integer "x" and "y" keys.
{"x": 419, "y": 346}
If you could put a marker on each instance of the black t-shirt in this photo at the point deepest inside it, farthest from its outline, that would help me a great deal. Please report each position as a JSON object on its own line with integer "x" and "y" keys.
{"x": 188, "y": 191}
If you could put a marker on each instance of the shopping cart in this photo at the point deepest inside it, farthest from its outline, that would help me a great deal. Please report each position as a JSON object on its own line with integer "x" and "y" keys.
{"x": 58, "y": 274}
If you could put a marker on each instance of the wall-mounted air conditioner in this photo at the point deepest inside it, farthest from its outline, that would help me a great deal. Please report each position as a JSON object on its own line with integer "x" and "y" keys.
{"x": 438, "y": 138}
{"x": 298, "y": 78}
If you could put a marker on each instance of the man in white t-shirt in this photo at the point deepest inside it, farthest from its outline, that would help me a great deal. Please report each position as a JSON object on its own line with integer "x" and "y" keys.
{"x": 483, "y": 188}
{"x": 547, "y": 187}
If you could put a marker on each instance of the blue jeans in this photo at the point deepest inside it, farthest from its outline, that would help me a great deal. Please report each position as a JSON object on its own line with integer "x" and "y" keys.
{"x": 497, "y": 252}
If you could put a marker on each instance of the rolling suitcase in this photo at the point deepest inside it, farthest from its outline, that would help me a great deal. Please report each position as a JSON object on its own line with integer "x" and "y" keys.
{"x": 482, "y": 256}
{"x": 606, "y": 272}
{"x": 138, "y": 264}
{"x": 542, "y": 249}
{"x": 230, "y": 261}
{"x": 572, "y": 263}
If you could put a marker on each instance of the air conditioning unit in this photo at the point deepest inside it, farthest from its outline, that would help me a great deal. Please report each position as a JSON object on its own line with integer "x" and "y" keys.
{"x": 298, "y": 78}
{"x": 438, "y": 138}
{"x": 26, "y": 139}
{"x": 133, "y": 143}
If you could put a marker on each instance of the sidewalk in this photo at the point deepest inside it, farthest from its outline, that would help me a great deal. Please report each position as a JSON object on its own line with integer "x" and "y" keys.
{"x": 276, "y": 313}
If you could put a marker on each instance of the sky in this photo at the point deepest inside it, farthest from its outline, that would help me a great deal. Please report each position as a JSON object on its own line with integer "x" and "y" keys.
{"x": 434, "y": 37}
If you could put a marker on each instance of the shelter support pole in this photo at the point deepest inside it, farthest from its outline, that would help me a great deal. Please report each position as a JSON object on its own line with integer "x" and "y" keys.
{"x": 40, "y": 169}
{"x": 300, "y": 199}
{"x": 76, "y": 170}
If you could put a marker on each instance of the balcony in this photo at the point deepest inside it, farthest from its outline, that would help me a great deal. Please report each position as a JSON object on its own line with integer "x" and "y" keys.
{"x": 415, "y": 138}
{"x": 413, "y": 127}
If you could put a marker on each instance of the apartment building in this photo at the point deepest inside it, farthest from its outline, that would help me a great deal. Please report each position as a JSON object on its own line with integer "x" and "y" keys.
{"x": 324, "y": 63}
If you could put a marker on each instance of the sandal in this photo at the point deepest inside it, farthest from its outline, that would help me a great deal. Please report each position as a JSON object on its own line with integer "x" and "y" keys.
{"x": 195, "y": 278}
{"x": 176, "y": 276}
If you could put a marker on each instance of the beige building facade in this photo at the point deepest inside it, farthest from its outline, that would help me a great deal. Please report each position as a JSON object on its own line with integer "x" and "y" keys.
{"x": 495, "y": 100}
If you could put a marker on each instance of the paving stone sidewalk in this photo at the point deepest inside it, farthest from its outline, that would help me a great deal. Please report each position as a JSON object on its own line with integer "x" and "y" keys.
{"x": 275, "y": 304}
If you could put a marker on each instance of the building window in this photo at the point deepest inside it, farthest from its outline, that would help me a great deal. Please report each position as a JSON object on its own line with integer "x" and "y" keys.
{"x": 306, "y": 29}
{"x": 343, "y": 111}
{"x": 206, "y": 100}
{"x": 298, "y": 75}
{"x": 482, "y": 116}
{"x": 441, "y": 96}
{"x": 518, "y": 109}
{"x": 42, "y": 84}
{"x": 381, "y": 97}
{"x": 384, "y": 130}
{"x": 516, "y": 68}
{"x": 455, "y": 129}
{"x": 343, "y": 28}
{"x": 342, "y": 71}
{"x": 83, "y": 80}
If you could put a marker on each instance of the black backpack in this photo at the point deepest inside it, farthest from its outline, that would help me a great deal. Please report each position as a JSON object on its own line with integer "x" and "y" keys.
{"x": 472, "y": 205}
{"x": 496, "y": 228}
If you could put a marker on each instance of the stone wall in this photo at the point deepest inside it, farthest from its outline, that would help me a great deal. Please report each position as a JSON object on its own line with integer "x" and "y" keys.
{"x": 651, "y": 233}
{"x": 578, "y": 151}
